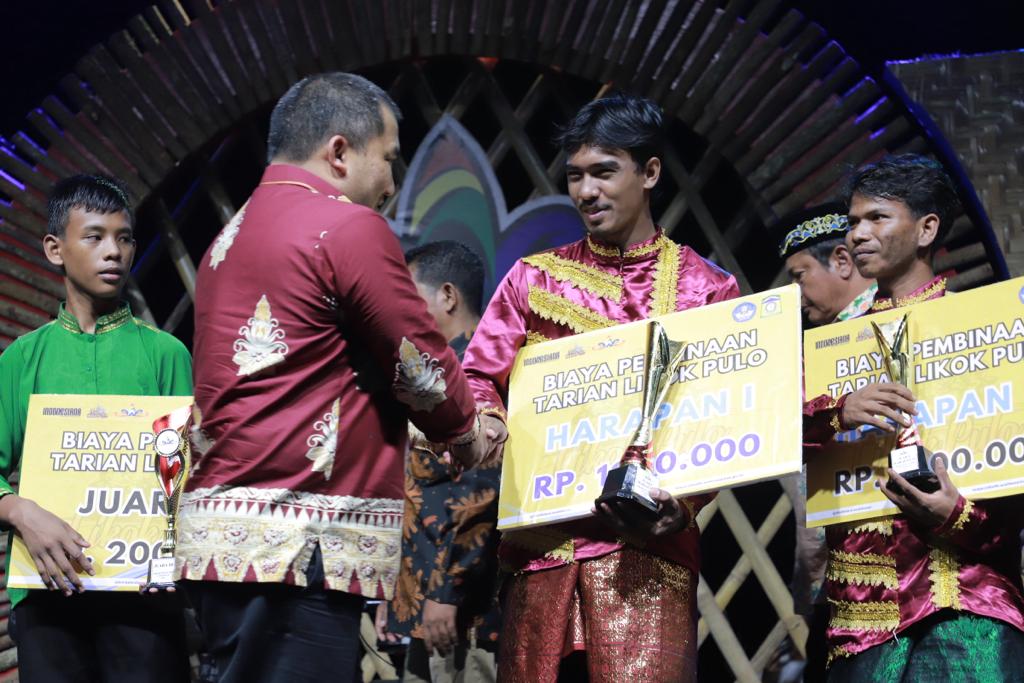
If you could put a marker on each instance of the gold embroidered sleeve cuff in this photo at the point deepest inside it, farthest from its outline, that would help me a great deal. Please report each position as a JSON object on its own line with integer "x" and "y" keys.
{"x": 494, "y": 411}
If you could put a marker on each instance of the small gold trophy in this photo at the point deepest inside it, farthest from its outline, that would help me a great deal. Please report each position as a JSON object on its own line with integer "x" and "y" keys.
{"x": 630, "y": 483}
{"x": 910, "y": 458}
{"x": 172, "y": 467}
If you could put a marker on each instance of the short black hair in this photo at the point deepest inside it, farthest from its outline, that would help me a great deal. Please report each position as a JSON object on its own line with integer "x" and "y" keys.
{"x": 323, "y": 105}
{"x": 917, "y": 181}
{"x": 627, "y": 122}
{"x": 89, "y": 192}
{"x": 822, "y": 251}
{"x": 447, "y": 261}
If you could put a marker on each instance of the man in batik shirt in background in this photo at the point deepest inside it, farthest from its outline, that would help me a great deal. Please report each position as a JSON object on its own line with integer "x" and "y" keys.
{"x": 446, "y": 596}
{"x": 313, "y": 351}
{"x": 934, "y": 593}
{"x": 831, "y": 290}
{"x": 622, "y": 589}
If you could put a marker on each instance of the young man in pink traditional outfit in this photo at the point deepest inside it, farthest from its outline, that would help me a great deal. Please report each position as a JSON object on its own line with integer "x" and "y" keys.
{"x": 933, "y": 594}
{"x": 622, "y": 589}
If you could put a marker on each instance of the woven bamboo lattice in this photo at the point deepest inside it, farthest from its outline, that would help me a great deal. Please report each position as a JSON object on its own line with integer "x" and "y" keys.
{"x": 766, "y": 112}
{"x": 976, "y": 103}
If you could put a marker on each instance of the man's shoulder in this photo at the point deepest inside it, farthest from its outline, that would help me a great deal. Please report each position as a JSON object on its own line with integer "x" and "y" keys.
{"x": 26, "y": 343}
{"x": 697, "y": 264}
{"x": 161, "y": 341}
{"x": 572, "y": 251}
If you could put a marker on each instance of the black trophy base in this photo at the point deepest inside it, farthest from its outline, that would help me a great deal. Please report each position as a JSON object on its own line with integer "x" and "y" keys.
{"x": 160, "y": 576}
{"x": 913, "y": 463}
{"x": 628, "y": 485}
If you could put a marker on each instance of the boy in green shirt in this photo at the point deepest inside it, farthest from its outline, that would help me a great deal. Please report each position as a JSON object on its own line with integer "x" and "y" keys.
{"x": 96, "y": 346}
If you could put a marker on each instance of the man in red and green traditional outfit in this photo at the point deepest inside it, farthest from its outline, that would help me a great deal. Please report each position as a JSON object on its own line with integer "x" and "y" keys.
{"x": 933, "y": 593}
{"x": 622, "y": 589}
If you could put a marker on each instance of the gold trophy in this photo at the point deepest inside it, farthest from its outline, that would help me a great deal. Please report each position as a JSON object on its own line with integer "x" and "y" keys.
{"x": 172, "y": 468}
{"x": 630, "y": 483}
{"x": 910, "y": 458}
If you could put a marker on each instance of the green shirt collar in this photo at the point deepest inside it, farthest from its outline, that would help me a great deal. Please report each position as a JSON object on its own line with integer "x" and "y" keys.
{"x": 105, "y": 323}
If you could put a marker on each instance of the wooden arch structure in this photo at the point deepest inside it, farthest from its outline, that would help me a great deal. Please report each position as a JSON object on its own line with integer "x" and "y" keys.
{"x": 768, "y": 114}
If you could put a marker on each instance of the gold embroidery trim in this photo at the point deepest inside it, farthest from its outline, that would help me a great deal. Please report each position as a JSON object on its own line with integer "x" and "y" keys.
{"x": 665, "y": 291}
{"x": 580, "y": 275}
{"x": 495, "y": 411}
{"x": 657, "y": 244}
{"x": 965, "y": 515}
{"x": 837, "y": 652}
{"x": 882, "y": 615}
{"x": 552, "y": 544}
{"x": 534, "y": 337}
{"x": 932, "y": 290}
{"x": 636, "y": 252}
{"x": 608, "y": 252}
{"x": 866, "y": 569}
{"x": 561, "y": 311}
{"x": 883, "y": 527}
{"x": 945, "y": 578}
{"x": 104, "y": 324}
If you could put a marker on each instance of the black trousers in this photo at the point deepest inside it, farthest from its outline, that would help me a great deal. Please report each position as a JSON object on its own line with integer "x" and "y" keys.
{"x": 100, "y": 637}
{"x": 273, "y": 633}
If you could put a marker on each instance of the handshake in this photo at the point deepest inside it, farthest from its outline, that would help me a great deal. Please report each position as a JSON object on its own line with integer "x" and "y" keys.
{"x": 481, "y": 446}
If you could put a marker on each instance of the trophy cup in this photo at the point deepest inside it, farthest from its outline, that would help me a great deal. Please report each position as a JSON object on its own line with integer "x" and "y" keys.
{"x": 910, "y": 458}
{"x": 171, "y": 466}
{"x": 630, "y": 483}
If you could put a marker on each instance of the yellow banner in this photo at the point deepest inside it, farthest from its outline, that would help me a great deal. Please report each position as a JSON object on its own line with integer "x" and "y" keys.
{"x": 731, "y": 417}
{"x": 89, "y": 460}
{"x": 966, "y": 351}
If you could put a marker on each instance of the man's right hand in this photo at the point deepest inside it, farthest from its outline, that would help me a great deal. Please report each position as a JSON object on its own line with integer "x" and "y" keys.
{"x": 875, "y": 402}
{"x": 488, "y": 446}
{"x": 55, "y": 547}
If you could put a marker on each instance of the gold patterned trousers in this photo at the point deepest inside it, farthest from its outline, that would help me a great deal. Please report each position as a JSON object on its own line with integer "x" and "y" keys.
{"x": 633, "y": 613}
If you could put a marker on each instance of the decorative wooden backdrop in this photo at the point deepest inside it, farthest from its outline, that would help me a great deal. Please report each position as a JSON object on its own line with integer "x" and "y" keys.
{"x": 768, "y": 114}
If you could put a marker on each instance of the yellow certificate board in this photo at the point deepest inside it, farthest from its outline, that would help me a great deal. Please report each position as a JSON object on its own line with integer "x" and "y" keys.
{"x": 89, "y": 460}
{"x": 968, "y": 381}
{"x": 732, "y": 415}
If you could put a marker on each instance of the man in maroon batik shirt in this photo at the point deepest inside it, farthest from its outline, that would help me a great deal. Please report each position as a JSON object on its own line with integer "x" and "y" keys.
{"x": 312, "y": 352}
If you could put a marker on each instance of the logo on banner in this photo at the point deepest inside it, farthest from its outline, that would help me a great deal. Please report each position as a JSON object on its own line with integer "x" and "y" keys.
{"x": 771, "y": 305}
{"x": 744, "y": 312}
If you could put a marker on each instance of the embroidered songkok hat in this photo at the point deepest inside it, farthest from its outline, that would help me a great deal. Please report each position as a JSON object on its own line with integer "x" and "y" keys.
{"x": 807, "y": 227}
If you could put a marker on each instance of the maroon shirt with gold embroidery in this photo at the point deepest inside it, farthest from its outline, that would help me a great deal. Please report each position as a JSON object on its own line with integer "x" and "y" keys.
{"x": 312, "y": 350}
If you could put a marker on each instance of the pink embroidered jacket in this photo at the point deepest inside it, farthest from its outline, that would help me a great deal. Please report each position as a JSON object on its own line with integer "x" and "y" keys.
{"x": 584, "y": 286}
{"x": 312, "y": 351}
{"x": 886, "y": 575}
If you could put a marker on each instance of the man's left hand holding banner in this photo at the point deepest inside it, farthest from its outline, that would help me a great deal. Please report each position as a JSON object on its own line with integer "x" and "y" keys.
{"x": 90, "y": 461}
{"x": 731, "y": 416}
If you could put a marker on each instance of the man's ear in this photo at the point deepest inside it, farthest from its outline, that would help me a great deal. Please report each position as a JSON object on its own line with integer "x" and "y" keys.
{"x": 840, "y": 262}
{"x": 927, "y": 231}
{"x": 652, "y": 171}
{"x": 336, "y": 153}
{"x": 51, "y": 247}
{"x": 449, "y": 295}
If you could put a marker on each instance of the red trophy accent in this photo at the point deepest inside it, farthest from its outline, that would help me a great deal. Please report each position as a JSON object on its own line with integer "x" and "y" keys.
{"x": 171, "y": 447}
